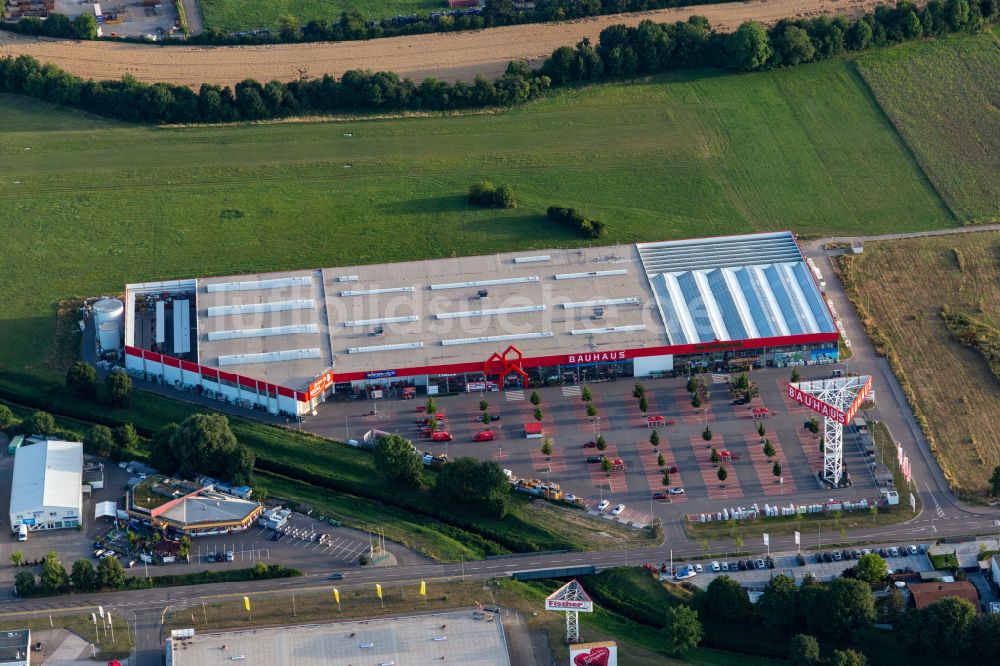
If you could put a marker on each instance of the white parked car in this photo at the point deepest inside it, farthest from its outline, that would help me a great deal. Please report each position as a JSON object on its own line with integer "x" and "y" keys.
{"x": 603, "y": 505}
{"x": 725, "y": 566}
{"x": 570, "y": 498}
{"x": 698, "y": 568}
{"x": 617, "y": 510}
{"x": 716, "y": 567}
{"x": 894, "y": 552}
{"x": 912, "y": 549}
{"x": 676, "y": 491}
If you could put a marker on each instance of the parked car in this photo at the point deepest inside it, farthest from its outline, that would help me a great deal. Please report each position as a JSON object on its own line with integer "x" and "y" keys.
{"x": 827, "y": 557}
{"x": 883, "y": 552}
{"x": 132, "y": 563}
{"x": 99, "y": 552}
{"x": 837, "y": 557}
{"x": 716, "y": 566}
{"x": 922, "y": 549}
{"x": 618, "y": 510}
{"x": 750, "y": 565}
{"x": 698, "y": 568}
{"x": 760, "y": 564}
{"x": 801, "y": 559}
{"x": 893, "y": 552}
{"x": 230, "y": 556}
{"x": 741, "y": 565}
{"x": 770, "y": 562}
{"x": 846, "y": 554}
{"x": 865, "y": 551}
{"x": 724, "y": 566}
{"x": 660, "y": 496}
{"x": 483, "y": 436}
{"x": 571, "y": 498}
{"x": 903, "y": 552}
{"x": 604, "y": 504}
{"x": 335, "y": 576}
{"x": 856, "y": 554}
{"x": 675, "y": 491}
{"x": 672, "y": 469}
{"x": 819, "y": 557}
{"x": 912, "y": 549}
{"x": 441, "y": 436}
{"x": 590, "y": 445}
{"x": 596, "y": 459}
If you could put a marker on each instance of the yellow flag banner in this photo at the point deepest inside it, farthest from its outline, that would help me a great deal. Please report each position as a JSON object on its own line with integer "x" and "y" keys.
{"x": 246, "y": 602}
{"x": 336, "y": 595}
{"x": 423, "y": 588}
{"x": 378, "y": 590}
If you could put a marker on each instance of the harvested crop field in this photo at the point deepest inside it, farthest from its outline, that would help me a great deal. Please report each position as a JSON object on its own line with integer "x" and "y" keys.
{"x": 448, "y": 56}
{"x": 957, "y": 144}
{"x": 902, "y": 284}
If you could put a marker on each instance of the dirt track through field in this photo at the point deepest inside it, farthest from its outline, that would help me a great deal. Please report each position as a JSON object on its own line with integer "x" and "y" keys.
{"x": 449, "y": 56}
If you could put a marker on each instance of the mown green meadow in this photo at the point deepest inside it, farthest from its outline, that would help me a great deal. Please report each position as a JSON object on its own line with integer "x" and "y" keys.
{"x": 944, "y": 97}
{"x": 236, "y": 15}
{"x": 91, "y": 204}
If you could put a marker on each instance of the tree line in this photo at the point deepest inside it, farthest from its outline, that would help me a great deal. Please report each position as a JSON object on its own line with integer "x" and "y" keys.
{"x": 621, "y": 52}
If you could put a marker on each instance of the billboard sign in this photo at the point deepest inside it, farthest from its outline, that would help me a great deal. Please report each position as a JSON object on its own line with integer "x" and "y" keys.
{"x": 824, "y": 408}
{"x": 594, "y": 654}
{"x": 584, "y": 606}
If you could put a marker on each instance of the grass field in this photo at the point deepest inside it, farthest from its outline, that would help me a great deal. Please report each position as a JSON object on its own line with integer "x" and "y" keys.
{"x": 236, "y": 15}
{"x": 900, "y": 287}
{"x": 91, "y": 204}
{"x": 944, "y": 97}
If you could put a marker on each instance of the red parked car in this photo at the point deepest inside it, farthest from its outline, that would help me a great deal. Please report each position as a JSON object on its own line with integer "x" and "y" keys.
{"x": 590, "y": 445}
{"x": 483, "y": 436}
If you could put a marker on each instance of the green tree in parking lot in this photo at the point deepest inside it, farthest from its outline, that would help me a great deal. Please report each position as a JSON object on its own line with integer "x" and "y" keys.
{"x": 546, "y": 447}
{"x": 396, "y": 460}
{"x": 639, "y": 390}
{"x": 535, "y": 398}
{"x": 17, "y": 558}
{"x": 870, "y": 568}
{"x": 768, "y": 448}
{"x": 803, "y": 650}
{"x": 6, "y": 416}
{"x": 760, "y": 429}
{"x": 591, "y": 410}
{"x": 53, "y": 577}
{"x": 24, "y": 583}
{"x": 602, "y": 444}
{"x": 538, "y": 413}
{"x": 666, "y": 479}
{"x": 643, "y": 404}
{"x": 722, "y": 474}
{"x": 776, "y": 470}
{"x": 83, "y": 576}
{"x": 707, "y": 434}
{"x": 485, "y": 418}
{"x": 431, "y": 407}
{"x": 660, "y": 460}
{"x": 683, "y": 629}
{"x": 606, "y": 465}
{"x": 654, "y": 439}
{"x": 110, "y": 574}
{"x": 40, "y": 423}
{"x": 585, "y": 394}
{"x": 795, "y": 375}
{"x": 695, "y": 400}
{"x": 81, "y": 378}
{"x": 714, "y": 456}
{"x": 483, "y": 405}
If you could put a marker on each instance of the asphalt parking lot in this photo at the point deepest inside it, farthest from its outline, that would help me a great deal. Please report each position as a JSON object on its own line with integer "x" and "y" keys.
{"x": 787, "y": 563}
{"x": 624, "y": 427}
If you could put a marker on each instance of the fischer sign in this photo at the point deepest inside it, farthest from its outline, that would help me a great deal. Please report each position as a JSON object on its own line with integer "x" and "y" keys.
{"x": 569, "y": 604}
{"x": 597, "y": 357}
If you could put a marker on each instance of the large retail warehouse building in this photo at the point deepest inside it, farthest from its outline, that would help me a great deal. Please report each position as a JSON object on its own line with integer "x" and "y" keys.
{"x": 285, "y": 341}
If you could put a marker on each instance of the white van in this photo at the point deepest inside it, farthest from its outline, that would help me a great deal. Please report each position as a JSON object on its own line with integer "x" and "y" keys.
{"x": 22, "y": 533}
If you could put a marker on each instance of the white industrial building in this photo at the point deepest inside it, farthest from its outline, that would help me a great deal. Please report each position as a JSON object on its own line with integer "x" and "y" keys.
{"x": 46, "y": 492}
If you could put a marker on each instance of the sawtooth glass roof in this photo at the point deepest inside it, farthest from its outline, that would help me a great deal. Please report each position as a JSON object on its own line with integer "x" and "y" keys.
{"x": 734, "y": 288}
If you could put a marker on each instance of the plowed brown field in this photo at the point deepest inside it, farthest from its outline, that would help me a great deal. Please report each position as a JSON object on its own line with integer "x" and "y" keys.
{"x": 449, "y": 56}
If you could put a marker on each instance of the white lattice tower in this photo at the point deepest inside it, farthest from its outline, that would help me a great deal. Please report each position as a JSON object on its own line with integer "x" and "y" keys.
{"x": 837, "y": 400}
{"x": 571, "y": 599}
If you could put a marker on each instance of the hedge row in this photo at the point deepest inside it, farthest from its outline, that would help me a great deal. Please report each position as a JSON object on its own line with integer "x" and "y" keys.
{"x": 649, "y": 48}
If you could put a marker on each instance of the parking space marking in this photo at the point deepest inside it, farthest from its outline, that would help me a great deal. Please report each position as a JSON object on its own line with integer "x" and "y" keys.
{"x": 689, "y": 413}
{"x": 514, "y": 395}
{"x": 572, "y": 390}
{"x": 716, "y": 490}
{"x": 810, "y": 444}
{"x": 654, "y": 473}
{"x": 636, "y": 418}
{"x": 764, "y": 467}
{"x": 556, "y": 462}
{"x": 615, "y": 480}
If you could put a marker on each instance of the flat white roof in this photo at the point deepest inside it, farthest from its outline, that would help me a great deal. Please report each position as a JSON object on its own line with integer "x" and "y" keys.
{"x": 289, "y": 328}
{"x": 47, "y": 474}
{"x": 419, "y": 639}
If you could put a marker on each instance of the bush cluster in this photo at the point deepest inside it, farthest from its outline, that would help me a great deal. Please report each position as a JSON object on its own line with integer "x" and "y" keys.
{"x": 575, "y": 219}
{"x": 486, "y": 194}
{"x": 621, "y": 52}
{"x": 55, "y": 24}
